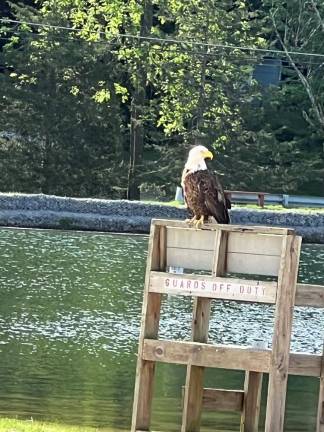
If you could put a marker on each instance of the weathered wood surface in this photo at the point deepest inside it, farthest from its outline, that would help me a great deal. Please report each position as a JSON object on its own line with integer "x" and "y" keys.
{"x": 223, "y": 400}
{"x": 238, "y": 242}
{"x": 162, "y": 248}
{"x": 226, "y": 357}
{"x": 220, "y": 356}
{"x": 306, "y": 294}
{"x": 252, "y": 402}
{"x": 220, "y": 249}
{"x": 233, "y": 228}
{"x": 310, "y": 295}
{"x": 143, "y": 392}
{"x": 304, "y": 364}
{"x": 193, "y": 394}
{"x": 243, "y": 252}
{"x": 320, "y": 410}
{"x": 279, "y": 368}
{"x": 213, "y": 287}
{"x": 265, "y": 265}
{"x": 193, "y": 259}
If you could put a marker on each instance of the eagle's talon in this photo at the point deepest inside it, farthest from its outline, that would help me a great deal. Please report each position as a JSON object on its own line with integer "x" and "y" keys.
{"x": 199, "y": 223}
{"x": 191, "y": 221}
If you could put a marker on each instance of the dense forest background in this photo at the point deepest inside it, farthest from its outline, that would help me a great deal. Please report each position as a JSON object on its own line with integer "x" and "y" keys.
{"x": 103, "y": 98}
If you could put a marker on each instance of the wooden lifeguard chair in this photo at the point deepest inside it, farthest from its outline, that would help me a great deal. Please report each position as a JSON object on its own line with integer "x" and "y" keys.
{"x": 224, "y": 251}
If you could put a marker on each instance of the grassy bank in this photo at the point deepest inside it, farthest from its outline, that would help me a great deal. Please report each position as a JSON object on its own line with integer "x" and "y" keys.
{"x": 13, "y": 425}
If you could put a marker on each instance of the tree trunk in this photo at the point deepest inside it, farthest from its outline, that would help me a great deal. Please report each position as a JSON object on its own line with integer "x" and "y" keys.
{"x": 137, "y": 109}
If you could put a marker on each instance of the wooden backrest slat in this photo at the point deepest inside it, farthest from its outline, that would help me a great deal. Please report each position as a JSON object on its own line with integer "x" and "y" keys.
{"x": 246, "y": 252}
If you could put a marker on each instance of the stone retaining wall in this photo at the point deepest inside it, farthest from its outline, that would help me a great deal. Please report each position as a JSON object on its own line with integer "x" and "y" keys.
{"x": 44, "y": 211}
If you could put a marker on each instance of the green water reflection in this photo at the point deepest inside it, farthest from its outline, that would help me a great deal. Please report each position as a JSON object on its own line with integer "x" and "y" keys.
{"x": 69, "y": 322}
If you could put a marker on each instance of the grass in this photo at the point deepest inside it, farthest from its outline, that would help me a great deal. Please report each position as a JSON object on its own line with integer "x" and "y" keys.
{"x": 14, "y": 425}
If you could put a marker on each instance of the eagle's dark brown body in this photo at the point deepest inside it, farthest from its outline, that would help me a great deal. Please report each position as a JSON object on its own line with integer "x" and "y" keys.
{"x": 204, "y": 195}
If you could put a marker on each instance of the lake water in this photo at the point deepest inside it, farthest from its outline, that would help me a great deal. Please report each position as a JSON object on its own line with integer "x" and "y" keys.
{"x": 69, "y": 322}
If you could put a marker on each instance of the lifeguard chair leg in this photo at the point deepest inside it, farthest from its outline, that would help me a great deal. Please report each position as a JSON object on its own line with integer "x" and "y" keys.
{"x": 193, "y": 394}
{"x": 320, "y": 411}
{"x": 279, "y": 363}
{"x": 252, "y": 402}
{"x": 143, "y": 393}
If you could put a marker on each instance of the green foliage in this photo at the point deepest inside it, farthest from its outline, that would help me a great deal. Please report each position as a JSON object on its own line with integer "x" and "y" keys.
{"x": 67, "y": 134}
{"x": 7, "y": 424}
{"x": 95, "y": 112}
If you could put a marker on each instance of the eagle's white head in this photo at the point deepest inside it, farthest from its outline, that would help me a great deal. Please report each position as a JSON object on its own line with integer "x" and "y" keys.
{"x": 196, "y": 158}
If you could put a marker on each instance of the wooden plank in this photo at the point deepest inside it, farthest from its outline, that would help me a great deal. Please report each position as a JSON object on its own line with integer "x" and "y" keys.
{"x": 253, "y": 264}
{"x": 267, "y": 265}
{"x": 223, "y": 400}
{"x": 190, "y": 238}
{"x": 145, "y": 370}
{"x": 233, "y": 228}
{"x": 162, "y": 248}
{"x": 305, "y": 364}
{"x": 220, "y": 249}
{"x": 252, "y": 243}
{"x": 213, "y": 287}
{"x": 193, "y": 395}
{"x": 198, "y": 354}
{"x": 194, "y": 387}
{"x": 226, "y": 357}
{"x": 320, "y": 410}
{"x": 247, "y": 252}
{"x": 190, "y": 259}
{"x": 197, "y": 285}
{"x": 238, "y": 242}
{"x": 252, "y": 402}
{"x": 278, "y": 374}
{"x": 310, "y": 295}
{"x": 236, "y": 262}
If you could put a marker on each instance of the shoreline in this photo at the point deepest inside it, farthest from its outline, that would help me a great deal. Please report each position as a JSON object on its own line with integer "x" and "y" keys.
{"x": 122, "y": 216}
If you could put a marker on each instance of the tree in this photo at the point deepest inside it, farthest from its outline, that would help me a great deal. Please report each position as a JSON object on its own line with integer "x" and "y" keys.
{"x": 185, "y": 90}
{"x": 65, "y": 116}
{"x": 298, "y": 27}
{"x": 110, "y": 101}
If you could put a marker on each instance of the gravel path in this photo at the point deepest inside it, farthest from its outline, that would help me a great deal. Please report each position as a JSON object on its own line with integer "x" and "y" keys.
{"x": 45, "y": 211}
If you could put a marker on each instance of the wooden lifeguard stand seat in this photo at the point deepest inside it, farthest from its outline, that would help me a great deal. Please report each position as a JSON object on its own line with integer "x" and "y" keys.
{"x": 223, "y": 251}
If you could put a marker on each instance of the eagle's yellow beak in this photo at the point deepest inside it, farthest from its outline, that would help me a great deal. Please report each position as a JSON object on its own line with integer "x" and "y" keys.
{"x": 208, "y": 154}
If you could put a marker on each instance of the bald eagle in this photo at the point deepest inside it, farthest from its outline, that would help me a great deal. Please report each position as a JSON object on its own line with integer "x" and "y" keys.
{"x": 202, "y": 190}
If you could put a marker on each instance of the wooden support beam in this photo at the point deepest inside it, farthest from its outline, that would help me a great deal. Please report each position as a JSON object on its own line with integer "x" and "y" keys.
{"x": 279, "y": 368}
{"x": 232, "y": 228}
{"x": 223, "y": 400}
{"x": 305, "y": 364}
{"x": 143, "y": 393}
{"x": 252, "y": 402}
{"x": 199, "y": 354}
{"x": 226, "y": 357}
{"x": 224, "y": 249}
{"x": 254, "y": 291}
{"x": 213, "y": 287}
{"x": 320, "y": 410}
{"x": 193, "y": 394}
{"x": 310, "y": 295}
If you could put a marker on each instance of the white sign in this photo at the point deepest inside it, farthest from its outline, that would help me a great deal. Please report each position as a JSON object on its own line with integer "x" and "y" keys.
{"x": 224, "y": 288}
